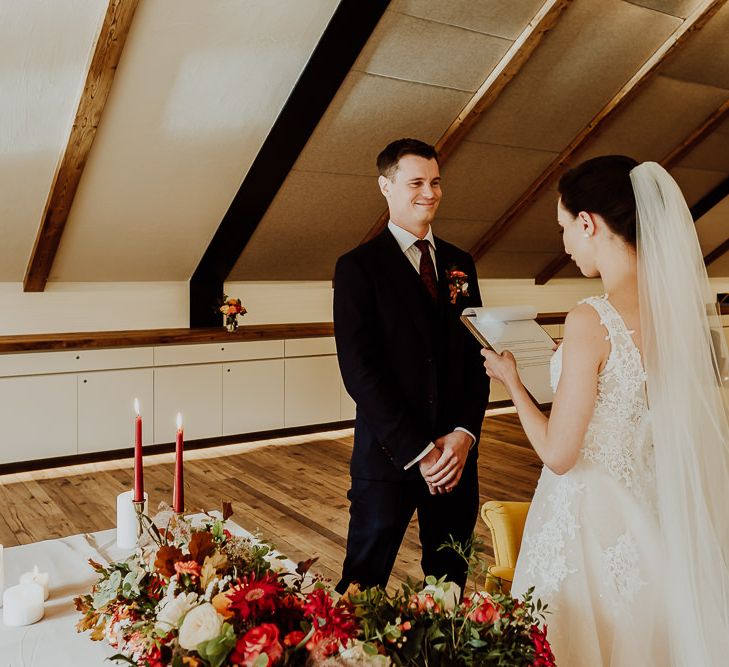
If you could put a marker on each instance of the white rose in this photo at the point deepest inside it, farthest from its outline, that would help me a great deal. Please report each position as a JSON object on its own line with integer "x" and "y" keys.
{"x": 172, "y": 609}
{"x": 200, "y": 625}
{"x": 447, "y": 594}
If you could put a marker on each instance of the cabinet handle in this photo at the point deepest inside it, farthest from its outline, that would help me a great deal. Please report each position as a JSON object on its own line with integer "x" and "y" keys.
{"x": 85, "y": 381}
{"x": 222, "y": 349}
{"x": 228, "y": 370}
{"x": 78, "y": 356}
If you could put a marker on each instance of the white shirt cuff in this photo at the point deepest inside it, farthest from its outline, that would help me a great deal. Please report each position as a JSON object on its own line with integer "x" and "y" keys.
{"x": 467, "y": 432}
{"x": 428, "y": 449}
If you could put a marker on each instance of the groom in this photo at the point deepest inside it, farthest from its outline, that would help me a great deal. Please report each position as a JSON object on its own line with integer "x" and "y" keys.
{"x": 416, "y": 376}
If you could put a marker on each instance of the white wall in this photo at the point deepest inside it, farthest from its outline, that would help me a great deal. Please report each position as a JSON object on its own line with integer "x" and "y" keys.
{"x": 152, "y": 305}
{"x": 93, "y": 307}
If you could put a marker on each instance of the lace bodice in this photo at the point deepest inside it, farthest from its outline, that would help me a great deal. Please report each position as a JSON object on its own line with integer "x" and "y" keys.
{"x": 618, "y": 436}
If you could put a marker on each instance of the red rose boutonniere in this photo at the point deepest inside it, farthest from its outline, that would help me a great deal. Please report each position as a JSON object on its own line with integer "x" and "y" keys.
{"x": 457, "y": 283}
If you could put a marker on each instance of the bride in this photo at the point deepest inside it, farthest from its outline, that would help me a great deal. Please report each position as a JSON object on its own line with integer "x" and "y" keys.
{"x": 626, "y": 538}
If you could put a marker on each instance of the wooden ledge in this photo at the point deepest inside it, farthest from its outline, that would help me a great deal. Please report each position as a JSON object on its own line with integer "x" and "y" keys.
{"x": 91, "y": 340}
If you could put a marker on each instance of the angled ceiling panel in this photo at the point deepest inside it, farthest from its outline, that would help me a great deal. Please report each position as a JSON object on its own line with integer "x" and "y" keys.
{"x": 344, "y": 155}
{"x": 460, "y": 232}
{"x": 712, "y": 153}
{"x": 481, "y": 180}
{"x": 198, "y": 87}
{"x": 695, "y": 183}
{"x": 705, "y": 58}
{"x": 680, "y": 8}
{"x": 310, "y": 223}
{"x": 412, "y": 79}
{"x": 454, "y": 58}
{"x": 46, "y": 49}
{"x": 658, "y": 119}
{"x": 536, "y": 229}
{"x": 503, "y": 18}
{"x": 592, "y": 52}
{"x": 713, "y": 228}
{"x": 370, "y": 111}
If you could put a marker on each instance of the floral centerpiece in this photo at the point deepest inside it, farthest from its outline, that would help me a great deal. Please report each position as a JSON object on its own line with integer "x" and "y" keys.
{"x": 231, "y": 308}
{"x": 195, "y": 595}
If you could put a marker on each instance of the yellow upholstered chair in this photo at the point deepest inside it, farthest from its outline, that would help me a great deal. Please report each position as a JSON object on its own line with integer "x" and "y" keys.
{"x": 506, "y": 523}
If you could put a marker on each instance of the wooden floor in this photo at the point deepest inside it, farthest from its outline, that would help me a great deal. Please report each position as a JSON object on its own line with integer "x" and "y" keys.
{"x": 292, "y": 490}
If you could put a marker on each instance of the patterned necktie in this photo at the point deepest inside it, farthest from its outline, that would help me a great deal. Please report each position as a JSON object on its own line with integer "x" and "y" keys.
{"x": 427, "y": 269}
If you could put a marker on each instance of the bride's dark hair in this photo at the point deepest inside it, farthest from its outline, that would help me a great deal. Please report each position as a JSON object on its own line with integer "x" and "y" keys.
{"x": 602, "y": 185}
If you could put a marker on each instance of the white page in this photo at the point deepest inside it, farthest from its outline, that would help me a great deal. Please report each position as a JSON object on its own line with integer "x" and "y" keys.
{"x": 514, "y": 328}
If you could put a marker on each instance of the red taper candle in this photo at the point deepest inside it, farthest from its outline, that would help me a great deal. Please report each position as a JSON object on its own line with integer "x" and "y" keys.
{"x": 178, "y": 497}
{"x": 138, "y": 466}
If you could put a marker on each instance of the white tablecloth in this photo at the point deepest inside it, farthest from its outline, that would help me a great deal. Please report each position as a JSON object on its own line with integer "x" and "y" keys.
{"x": 53, "y": 641}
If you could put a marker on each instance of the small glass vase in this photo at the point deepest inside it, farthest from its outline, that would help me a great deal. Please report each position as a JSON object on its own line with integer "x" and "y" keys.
{"x": 231, "y": 326}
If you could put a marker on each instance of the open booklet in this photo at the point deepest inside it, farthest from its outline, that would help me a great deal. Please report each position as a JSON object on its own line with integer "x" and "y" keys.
{"x": 514, "y": 328}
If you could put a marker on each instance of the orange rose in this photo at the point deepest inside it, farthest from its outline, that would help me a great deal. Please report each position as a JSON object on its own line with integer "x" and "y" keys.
{"x": 221, "y": 602}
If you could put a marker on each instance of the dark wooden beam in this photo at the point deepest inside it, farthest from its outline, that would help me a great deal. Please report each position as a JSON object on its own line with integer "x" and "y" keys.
{"x": 487, "y": 94}
{"x": 711, "y": 199}
{"x": 716, "y": 253}
{"x": 552, "y": 269}
{"x": 108, "y": 50}
{"x": 345, "y": 36}
{"x": 698, "y": 18}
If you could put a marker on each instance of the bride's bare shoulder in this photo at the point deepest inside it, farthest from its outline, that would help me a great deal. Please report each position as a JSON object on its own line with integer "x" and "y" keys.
{"x": 583, "y": 322}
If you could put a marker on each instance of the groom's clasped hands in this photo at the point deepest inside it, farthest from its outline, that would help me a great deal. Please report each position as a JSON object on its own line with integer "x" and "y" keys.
{"x": 443, "y": 465}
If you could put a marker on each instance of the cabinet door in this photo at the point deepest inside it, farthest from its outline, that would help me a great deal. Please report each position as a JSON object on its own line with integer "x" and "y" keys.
{"x": 38, "y": 417}
{"x": 348, "y": 406}
{"x": 106, "y": 414}
{"x": 253, "y": 396}
{"x": 312, "y": 390}
{"x": 194, "y": 391}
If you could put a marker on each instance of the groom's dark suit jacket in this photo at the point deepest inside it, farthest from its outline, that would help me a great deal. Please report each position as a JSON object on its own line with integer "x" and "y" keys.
{"x": 413, "y": 369}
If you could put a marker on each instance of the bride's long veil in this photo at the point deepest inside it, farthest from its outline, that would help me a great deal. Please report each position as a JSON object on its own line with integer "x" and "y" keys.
{"x": 685, "y": 355}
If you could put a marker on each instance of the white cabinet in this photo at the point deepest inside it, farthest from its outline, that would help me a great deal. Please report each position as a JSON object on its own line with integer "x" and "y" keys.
{"x": 106, "y": 414}
{"x": 196, "y": 391}
{"x": 38, "y": 417}
{"x": 348, "y": 408}
{"x": 313, "y": 394}
{"x": 253, "y": 396}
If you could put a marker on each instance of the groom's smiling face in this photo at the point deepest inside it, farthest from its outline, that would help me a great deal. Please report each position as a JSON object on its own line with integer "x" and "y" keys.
{"x": 413, "y": 192}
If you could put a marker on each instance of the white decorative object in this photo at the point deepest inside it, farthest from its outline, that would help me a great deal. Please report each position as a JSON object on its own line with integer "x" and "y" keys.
{"x": 40, "y": 578}
{"x": 23, "y": 604}
{"x": 127, "y": 520}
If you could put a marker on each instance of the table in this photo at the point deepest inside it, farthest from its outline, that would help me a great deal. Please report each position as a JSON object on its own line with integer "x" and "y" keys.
{"x": 53, "y": 641}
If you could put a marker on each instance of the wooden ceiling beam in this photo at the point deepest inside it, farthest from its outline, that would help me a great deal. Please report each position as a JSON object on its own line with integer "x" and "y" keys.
{"x": 669, "y": 161}
{"x": 107, "y": 52}
{"x": 694, "y": 22}
{"x": 487, "y": 94}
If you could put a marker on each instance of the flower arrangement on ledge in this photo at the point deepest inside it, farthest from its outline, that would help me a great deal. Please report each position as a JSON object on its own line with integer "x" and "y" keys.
{"x": 231, "y": 308}
{"x": 195, "y": 595}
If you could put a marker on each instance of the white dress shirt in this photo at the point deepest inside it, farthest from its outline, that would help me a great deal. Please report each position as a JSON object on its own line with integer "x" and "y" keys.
{"x": 406, "y": 241}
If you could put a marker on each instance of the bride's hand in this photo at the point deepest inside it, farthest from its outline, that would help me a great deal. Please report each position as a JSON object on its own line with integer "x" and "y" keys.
{"x": 501, "y": 367}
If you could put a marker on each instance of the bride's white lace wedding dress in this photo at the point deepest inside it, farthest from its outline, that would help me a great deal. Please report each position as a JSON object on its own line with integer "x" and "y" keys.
{"x": 591, "y": 545}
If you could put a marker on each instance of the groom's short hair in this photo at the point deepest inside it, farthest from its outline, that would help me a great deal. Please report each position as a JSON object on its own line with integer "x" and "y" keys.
{"x": 388, "y": 159}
